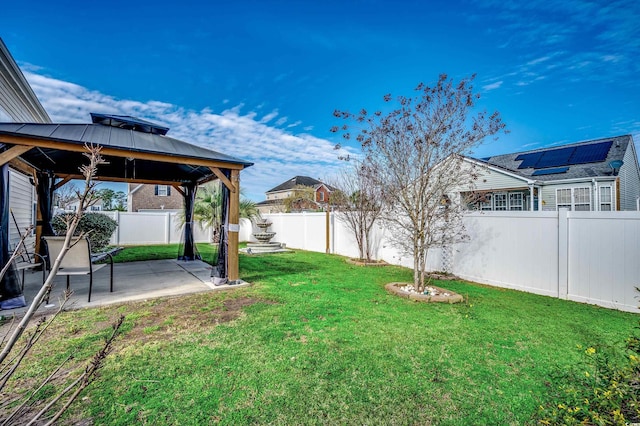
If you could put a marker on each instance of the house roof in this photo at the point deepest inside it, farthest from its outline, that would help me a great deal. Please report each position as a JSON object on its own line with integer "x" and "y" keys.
{"x": 573, "y": 161}
{"x": 296, "y": 180}
{"x": 133, "y": 154}
{"x": 269, "y": 202}
{"x": 16, "y": 96}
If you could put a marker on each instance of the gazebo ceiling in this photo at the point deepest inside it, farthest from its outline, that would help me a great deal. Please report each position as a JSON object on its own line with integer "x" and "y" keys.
{"x": 136, "y": 151}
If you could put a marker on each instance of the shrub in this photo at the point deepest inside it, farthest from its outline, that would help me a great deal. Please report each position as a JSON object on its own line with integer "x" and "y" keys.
{"x": 97, "y": 226}
{"x": 603, "y": 390}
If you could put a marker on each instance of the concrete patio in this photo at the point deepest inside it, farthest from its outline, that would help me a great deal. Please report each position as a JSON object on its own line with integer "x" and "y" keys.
{"x": 132, "y": 281}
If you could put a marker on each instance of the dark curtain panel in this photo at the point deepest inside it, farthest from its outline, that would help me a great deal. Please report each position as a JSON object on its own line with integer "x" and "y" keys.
{"x": 189, "y": 251}
{"x": 10, "y": 285}
{"x": 44, "y": 191}
{"x": 220, "y": 270}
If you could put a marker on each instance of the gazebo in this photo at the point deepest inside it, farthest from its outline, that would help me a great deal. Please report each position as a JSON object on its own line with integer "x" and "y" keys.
{"x": 135, "y": 151}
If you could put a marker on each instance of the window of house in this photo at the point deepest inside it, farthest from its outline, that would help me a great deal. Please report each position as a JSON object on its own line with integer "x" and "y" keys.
{"x": 516, "y": 201}
{"x": 500, "y": 201}
{"x": 487, "y": 203}
{"x": 578, "y": 199}
{"x": 321, "y": 196}
{"x": 563, "y": 198}
{"x": 606, "y": 198}
{"x": 582, "y": 199}
{"x": 163, "y": 190}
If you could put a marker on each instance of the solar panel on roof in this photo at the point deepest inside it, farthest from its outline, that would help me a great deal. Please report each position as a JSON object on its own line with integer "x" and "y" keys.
{"x": 528, "y": 160}
{"x": 591, "y": 153}
{"x": 555, "y": 158}
{"x": 550, "y": 171}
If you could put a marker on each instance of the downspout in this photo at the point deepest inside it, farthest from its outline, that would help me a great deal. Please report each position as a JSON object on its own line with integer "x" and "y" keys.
{"x": 594, "y": 191}
{"x": 531, "y": 202}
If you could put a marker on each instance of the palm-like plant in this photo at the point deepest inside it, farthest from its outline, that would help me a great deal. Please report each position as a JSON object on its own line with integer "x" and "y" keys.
{"x": 207, "y": 208}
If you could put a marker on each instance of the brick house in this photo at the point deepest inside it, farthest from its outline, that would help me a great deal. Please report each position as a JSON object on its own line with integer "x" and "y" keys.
{"x": 144, "y": 197}
{"x": 275, "y": 197}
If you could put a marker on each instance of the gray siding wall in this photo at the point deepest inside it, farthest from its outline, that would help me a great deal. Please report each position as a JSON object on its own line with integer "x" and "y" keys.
{"x": 629, "y": 179}
{"x": 490, "y": 179}
{"x": 549, "y": 193}
{"x": 21, "y": 203}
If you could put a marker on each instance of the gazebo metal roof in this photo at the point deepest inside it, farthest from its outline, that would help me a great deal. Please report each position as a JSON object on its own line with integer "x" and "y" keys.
{"x": 132, "y": 155}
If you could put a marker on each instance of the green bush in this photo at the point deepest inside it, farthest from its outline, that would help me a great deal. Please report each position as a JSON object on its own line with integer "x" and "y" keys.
{"x": 603, "y": 390}
{"x": 97, "y": 226}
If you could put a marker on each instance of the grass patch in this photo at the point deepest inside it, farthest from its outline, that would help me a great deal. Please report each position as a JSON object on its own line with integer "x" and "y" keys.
{"x": 163, "y": 251}
{"x": 318, "y": 341}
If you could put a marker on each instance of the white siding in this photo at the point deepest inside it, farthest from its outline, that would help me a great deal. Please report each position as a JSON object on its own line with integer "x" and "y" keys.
{"x": 492, "y": 179}
{"x": 21, "y": 203}
{"x": 629, "y": 179}
{"x": 548, "y": 196}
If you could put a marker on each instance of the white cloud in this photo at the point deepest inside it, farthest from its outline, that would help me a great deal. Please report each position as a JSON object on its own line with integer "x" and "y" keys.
{"x": 267, "y": 118}
{"x": 277, "y": 154}
{"x": 492, "y": 86}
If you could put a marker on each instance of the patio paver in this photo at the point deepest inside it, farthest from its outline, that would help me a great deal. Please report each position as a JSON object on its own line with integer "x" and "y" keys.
{"x": 131, "y": 281}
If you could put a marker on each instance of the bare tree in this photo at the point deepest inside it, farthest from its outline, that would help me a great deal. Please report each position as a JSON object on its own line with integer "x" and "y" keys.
{"x": 302, "y": 198}
{"x": 12, "y": 353}
{"x": 358, "y": 205}
{"x": 65, "y": 195}
{"x": 414, "y": 155}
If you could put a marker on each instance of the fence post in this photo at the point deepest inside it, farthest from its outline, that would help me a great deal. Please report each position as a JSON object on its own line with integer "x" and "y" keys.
{"x": 563, "y": 253}
{"x": 167, "y": 228}
{"x": 326, "y": 231}
{"x": 116, "y": 234}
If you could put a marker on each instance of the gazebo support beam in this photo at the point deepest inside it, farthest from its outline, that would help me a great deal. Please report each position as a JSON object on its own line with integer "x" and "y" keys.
{"x": 62, "y": 182}
{"x": 234, "y": 225}
{"x": 13, "y": 152}
{"x": 216, "y": 171}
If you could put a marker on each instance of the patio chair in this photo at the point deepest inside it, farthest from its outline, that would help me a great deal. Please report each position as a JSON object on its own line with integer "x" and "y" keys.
{"x": 79, "y": 260}
{"x": 29, "y": 260}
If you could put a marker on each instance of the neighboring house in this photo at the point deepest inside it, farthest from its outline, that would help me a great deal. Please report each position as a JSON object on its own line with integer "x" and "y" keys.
{"x": 145, "y": 198}
{"x": 275, "y": 197}
{"x": 18, "y": 103}
{"x": 72, "y": 206}
{"x": 597, "y": 175}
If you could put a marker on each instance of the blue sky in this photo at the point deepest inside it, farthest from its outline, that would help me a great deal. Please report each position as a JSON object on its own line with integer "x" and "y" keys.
{"x": 260, "y": 79}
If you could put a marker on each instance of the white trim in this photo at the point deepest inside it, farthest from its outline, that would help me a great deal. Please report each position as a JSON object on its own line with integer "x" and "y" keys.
{"x": 580, "y": 180}
{"x": 612, "y": 196}
{"x": 572, "y": 198}
{"x": 136, "y": 188}
{"x": 500, "y": 170}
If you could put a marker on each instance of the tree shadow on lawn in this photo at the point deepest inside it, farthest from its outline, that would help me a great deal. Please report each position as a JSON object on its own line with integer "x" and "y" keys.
{"x": 262, "y": 267}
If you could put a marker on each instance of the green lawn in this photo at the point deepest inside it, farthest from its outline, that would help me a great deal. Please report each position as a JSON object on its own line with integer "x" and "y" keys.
{"x": 161, "y": 251}
{"x": 318, "y": 341}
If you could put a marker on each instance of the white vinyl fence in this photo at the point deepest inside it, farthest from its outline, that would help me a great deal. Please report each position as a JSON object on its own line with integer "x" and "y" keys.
{"x": 152, "y": 228}
{"x": 591, "y": 257}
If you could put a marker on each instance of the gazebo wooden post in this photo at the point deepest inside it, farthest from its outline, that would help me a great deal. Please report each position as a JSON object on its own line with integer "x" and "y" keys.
{"x": 234, "y": 225}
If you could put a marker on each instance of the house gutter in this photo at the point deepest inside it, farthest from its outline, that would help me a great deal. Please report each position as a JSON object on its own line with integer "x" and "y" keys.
{"x": 577, "y": 180}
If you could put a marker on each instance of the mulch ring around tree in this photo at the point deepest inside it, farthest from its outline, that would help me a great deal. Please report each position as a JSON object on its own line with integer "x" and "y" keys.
{"x": 364, "y": 262}
{"x": 430, "y": 294}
